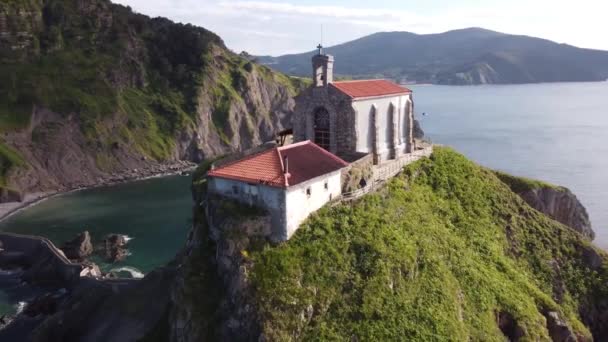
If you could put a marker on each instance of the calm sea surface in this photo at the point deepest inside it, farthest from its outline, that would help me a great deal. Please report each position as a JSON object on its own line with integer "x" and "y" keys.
{"x": 553, "y": 132}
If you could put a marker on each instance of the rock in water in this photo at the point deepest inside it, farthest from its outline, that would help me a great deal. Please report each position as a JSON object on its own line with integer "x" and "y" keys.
{"x": 79, "y": 248}
{"x": 115, "y": 240}
{"x": 114, "y": 248}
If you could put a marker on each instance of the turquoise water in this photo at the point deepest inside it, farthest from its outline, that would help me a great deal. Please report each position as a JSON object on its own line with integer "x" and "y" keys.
{"x": 554, "y": 132}
{"x": 155, "y": 213}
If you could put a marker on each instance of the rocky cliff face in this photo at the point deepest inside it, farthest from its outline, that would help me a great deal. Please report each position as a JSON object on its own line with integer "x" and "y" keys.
{"x": 226, "y": 230}
{"x": 556, "y": 202}
{"x": 561, "y": 205}
{"x": 93, "y": 91}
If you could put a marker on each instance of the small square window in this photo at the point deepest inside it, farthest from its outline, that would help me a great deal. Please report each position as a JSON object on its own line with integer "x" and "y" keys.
{"x": 326, "y": 185}
{"x": 308, "y": 191}
{"x": 235, "y": 189}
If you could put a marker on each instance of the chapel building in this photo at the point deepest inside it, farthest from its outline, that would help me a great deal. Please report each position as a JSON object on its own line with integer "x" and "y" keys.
{"x": 354, "y": 117}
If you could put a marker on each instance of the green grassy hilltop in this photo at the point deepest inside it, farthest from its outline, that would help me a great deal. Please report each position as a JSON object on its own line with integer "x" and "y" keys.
{"x": 446, "y": 251}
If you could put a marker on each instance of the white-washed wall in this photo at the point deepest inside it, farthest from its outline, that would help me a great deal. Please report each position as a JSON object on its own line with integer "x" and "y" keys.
{"x": 363, "y": 109}
{"x": 299, "y": 205}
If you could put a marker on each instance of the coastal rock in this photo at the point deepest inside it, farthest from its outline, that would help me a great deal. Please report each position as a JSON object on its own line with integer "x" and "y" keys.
{"x": 558, "y": 328}
{"x": 114, "y": 248}
{"x": 557, "y": 202}
{"x": 42, "y": 305}
{"x": 509, "y": 326}
{"x": 10, "y": 195}
{"x": 79, "y": 248}
{"x": 91, "y": 270}
{"x": 231, "y": 265}
{"x": 5, "y": 320}
{"x": 561, "y": 205}
{"x": 418, "y": 132}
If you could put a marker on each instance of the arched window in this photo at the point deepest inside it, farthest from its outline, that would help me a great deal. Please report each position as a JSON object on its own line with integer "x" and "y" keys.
{"x": 390, "y": 131}
{"x": 321, "y": 127}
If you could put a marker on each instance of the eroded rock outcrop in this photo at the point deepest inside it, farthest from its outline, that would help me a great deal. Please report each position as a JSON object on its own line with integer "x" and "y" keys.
{"x": 557, "y": 202}
{"x": 78, "y": 248}
{"x": 228, "y": 266}
{"x": 561, "y": 205}
{"x": 114, "y": 248}
{"x": 418, "y": 132}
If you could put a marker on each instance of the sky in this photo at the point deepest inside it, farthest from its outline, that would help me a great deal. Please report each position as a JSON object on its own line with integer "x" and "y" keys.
{"x": 281, "y": 27}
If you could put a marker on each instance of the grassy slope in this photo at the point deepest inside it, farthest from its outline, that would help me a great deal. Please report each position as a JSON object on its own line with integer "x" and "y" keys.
{"x": 522, "y": 184}
{"x": 429, "y": 258}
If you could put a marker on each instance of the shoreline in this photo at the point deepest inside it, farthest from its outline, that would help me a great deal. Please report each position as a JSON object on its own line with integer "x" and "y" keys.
{"x": 9, "y": 209}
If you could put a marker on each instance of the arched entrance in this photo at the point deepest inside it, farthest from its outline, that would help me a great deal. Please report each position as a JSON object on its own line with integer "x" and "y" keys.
{"x": 321, "y": 127}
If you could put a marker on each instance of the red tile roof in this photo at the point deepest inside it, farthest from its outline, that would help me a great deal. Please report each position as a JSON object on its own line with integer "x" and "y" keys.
{"x": 305, "y": 159}
{"x": 370, "y": 88}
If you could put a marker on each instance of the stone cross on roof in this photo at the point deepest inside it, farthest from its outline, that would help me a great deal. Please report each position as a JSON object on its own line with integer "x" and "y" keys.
{"x": 320, "y": 47}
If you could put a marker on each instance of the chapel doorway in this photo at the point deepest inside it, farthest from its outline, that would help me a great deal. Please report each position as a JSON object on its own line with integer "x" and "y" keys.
{"x": 321, "y": 127}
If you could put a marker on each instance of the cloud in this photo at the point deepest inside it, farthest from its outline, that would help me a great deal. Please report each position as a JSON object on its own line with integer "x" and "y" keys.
{"x": 267, "y": 27}
{"x": 338, "y": 12}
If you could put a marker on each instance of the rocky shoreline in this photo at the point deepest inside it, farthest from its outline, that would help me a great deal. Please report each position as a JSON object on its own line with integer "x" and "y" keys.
{"x": 8, "y": 209}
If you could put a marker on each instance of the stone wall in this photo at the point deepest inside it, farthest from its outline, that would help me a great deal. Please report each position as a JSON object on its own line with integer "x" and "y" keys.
{"x": 269, "y": 198}
{"x": 44, "y": 264}
{"x": 341, "y": 112}
{"x": 358, "y": 174}
{"x": 391, "y": 168}
{"x": 353, "y": 125}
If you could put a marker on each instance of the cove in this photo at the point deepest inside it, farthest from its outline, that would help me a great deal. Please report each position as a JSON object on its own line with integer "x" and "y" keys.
{"x": 155, "y": 213}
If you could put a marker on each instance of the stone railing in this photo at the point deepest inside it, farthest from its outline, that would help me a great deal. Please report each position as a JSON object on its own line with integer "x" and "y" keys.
{"x": 388, "y": 170}
{"x": 391, "y": 168}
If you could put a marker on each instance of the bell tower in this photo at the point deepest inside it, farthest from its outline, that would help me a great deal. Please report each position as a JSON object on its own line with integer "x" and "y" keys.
{"x": 322, "y": 68}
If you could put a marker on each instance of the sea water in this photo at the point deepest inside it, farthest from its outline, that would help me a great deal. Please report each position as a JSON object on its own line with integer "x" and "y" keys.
{"x": 553, "y": 132}
{"x": 154, "y": 214}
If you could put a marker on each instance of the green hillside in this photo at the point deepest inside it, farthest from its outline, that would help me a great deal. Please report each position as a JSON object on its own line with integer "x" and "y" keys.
{"x": 132, "y": 85}
{"x": 445, "y": 252}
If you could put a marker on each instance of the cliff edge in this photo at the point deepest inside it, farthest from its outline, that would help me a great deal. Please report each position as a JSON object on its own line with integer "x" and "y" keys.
{"x": 446, "y": 250}
{"x": 557, "y": 202}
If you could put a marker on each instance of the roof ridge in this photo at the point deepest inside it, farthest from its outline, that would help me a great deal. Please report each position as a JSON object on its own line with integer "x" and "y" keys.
{"x": 326, "y": 152}
{"x": 284, "y": 180}
{"x": 355, "y": 81}
{"x": 300, "y": 143}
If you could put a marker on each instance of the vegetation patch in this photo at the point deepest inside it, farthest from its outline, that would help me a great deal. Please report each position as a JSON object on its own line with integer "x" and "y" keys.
{"x": 522, "y": 184}
{"x": 437, "y": 255}
{"x": 9, "y": 159}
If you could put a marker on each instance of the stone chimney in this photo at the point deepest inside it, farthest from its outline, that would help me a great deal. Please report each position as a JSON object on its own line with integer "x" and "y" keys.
{"x": 286, "y": 165}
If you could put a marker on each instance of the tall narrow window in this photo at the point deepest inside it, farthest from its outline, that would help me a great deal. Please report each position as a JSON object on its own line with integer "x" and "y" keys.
{"x": 321, "y": 127}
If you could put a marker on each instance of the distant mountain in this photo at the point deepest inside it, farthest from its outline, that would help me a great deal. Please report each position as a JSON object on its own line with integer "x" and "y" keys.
{"x": 467, "y": 56}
